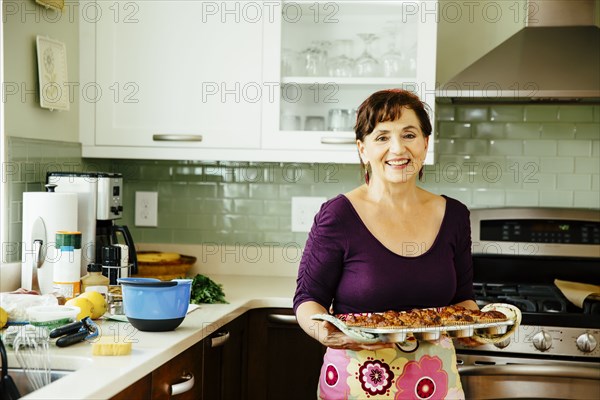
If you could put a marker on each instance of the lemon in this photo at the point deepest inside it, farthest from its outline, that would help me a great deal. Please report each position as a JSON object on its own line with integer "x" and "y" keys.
{"x": 3, "y": 317}
{"x": 98, "y": 301}
{"x": 86, "y": 306}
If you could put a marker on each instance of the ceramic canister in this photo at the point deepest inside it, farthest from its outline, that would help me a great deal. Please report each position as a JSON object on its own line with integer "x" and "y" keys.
{"x": 67, "y": 262}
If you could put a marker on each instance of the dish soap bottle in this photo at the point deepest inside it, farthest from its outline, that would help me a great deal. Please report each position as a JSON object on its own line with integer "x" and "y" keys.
{"x": 94, "y": 277}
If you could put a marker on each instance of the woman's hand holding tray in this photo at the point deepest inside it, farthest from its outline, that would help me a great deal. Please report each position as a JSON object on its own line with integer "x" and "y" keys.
{"x": 354, "y": 334}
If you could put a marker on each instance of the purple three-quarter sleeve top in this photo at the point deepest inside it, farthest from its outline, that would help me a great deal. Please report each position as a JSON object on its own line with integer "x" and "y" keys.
{"x": 345, "y": 266}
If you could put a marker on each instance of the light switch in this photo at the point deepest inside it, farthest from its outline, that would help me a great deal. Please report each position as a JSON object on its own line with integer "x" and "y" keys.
{"x": 303, "y": 212}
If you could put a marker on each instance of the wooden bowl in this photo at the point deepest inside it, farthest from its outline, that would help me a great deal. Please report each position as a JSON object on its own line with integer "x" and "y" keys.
{"x": 165, "y": 270}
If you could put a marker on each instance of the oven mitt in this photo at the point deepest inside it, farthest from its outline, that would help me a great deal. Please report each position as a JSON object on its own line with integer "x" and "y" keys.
{"x": 354, "y": 334}
{"x": 512, "y": 312}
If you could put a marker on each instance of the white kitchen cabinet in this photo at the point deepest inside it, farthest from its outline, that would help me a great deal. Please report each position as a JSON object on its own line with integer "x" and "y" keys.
{"x": 184, "y": 76}
{"x": 191, "y": 70}
{"x": 306, "y": 92}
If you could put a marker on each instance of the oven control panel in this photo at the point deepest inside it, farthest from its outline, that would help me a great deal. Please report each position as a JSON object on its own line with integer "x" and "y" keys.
{"x": 541, "y": 231}
{"x": 573, "y": 342}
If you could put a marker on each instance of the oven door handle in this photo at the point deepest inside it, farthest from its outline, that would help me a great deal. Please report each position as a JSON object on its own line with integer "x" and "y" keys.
{"x": 562, "y": 371}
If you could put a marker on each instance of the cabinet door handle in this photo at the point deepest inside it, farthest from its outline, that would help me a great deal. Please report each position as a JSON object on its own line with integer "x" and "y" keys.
{"x": 184, "y": 386}
{"x": 283, "y": 319}
{"x": 219, "y": 340}
{"x": 337, "y": 140}
{"x": 176, "y": 138}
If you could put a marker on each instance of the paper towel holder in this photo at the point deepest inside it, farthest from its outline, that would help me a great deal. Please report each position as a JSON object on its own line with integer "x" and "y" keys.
{"x": 39, "y": 241}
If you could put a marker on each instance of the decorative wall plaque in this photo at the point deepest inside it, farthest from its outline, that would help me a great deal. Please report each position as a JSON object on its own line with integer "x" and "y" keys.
{"x": 54, "y": 4}
{"x": 52, "y": 70}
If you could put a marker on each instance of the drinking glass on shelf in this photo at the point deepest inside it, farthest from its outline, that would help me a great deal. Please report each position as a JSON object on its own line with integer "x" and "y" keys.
{"x": 339, "y": 64}
{"x": 310, "y": 60}
{"x": 315, "y": 58}
{"x": 394, "y": 63}
{"x": 340, "y": 120}
{"x": 411, "y": 61}
{"x": 314, "y": 123}
{"x": 408, "y": 47}
{"x": 366, "y": 65}
{"x": 290, "y": 122}
{"x": 289, "y": 62}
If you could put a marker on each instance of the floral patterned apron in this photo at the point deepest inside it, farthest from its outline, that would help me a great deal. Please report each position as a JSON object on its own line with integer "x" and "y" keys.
{"x": 411, "y": 370}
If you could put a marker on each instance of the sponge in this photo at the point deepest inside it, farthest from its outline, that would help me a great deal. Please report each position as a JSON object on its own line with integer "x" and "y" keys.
{"x": 111, "y": 346}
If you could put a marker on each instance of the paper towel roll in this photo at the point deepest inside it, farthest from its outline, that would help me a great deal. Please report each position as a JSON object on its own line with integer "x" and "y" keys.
{"x": 58, "y": 212}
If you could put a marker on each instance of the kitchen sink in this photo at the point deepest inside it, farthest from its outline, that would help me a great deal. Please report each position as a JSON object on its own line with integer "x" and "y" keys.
{"x": 18, "y": 376}
{"x": 61, "y": 366}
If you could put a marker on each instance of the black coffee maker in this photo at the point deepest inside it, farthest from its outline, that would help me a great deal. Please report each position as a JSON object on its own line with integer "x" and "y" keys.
{"x": 107, "y": 234}
{"x": 108, "y": 210}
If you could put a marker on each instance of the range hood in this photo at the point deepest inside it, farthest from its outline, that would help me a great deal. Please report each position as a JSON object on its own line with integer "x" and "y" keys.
{"x": 556, "y": 57}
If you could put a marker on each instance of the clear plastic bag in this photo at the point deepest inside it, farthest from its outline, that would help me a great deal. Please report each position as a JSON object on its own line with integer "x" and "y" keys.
{"x": 16, "y": 305}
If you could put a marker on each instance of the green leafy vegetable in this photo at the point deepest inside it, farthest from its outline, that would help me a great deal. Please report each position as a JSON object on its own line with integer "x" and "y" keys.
{"x": 205, "y": 290}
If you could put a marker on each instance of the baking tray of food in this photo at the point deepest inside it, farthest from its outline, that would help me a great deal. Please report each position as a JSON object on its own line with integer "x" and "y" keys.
{"x": 426, "y": 324}
{"x": 434, "y": 332}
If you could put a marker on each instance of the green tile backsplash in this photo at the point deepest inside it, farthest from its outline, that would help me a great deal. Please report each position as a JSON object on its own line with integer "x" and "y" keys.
{"x": 25, "y": 171}
{"x": 498, "y": 155}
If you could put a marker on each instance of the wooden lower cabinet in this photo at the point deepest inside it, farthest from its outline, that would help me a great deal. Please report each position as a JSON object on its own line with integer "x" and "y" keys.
{"x": 177, "y": 375}
{"x": 261, "y": 355}
{"x": 283, "y": 361}
{"x": 225, "y": 362}
{"x": 140, "y": 390}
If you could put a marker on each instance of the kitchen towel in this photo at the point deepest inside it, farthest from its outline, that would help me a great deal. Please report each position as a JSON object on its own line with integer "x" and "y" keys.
{"x": 577, "y": 292}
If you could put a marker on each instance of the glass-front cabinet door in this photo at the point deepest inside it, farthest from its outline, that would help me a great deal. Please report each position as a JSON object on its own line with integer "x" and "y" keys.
{"x": 331, "y": 55}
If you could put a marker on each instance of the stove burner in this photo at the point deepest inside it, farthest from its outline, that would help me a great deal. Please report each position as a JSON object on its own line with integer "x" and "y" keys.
{"x": 528, "y": 298}
{"x": 524, "y": 304}
{"x": 591, "y": 307}
{"x": 552, "y": 306}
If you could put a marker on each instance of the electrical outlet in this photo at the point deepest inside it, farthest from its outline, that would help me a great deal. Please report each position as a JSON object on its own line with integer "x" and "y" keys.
{"x": 146, "y": 208}
{"x": 303, "y": 212}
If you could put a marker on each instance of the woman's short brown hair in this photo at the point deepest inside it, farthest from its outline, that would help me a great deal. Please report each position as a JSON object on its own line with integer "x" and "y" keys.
{"x": 387, "y": 105}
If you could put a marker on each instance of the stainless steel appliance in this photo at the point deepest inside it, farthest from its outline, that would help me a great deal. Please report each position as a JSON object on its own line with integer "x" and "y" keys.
{"x": 517, "y": 255}
{"x": 100, "y": 205}
{"x": 559, "y": 38}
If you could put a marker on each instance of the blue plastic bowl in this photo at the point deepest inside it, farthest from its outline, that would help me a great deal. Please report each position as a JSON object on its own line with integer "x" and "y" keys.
{"x": 153, "y": 305}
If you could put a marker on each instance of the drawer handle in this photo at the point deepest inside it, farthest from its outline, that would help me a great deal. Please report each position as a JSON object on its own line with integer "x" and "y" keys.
{"x": 177, "y": 138}
{"x": 283, "y": 319}
{"x": 337, "y": 140}
{"x": 219, "y": 340}
{"x": 184, "y": 386}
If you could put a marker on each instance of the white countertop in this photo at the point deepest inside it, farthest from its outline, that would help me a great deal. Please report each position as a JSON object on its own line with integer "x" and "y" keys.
{"x": 101, "y": 377}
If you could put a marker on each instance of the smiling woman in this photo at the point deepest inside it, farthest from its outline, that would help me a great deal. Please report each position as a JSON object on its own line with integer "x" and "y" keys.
{"x": 409, "y": 249}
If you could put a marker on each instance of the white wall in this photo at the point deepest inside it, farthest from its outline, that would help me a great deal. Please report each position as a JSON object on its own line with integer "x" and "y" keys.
{"x": 22, "y": 21}
{"x": 22, "y": 115}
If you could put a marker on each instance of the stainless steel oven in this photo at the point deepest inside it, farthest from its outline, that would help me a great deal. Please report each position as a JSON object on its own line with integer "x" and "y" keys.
{"x": 517, "y": 255}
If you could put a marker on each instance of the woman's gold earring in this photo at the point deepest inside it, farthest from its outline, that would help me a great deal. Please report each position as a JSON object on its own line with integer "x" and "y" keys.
{"x": 367, "y": 172}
